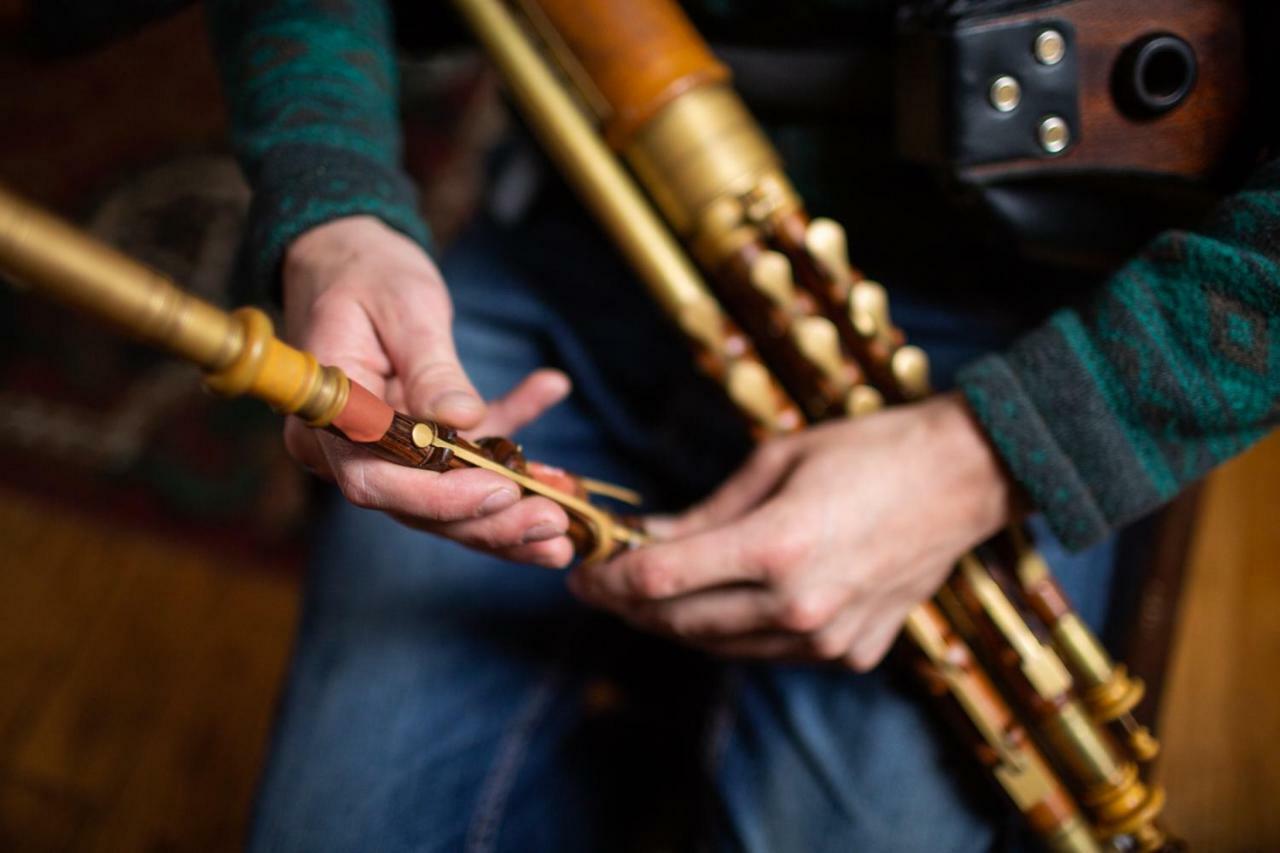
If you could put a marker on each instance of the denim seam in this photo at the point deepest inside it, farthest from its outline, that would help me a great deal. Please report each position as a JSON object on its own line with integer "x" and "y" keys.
{"x": 720, "y": 728}
{"x": 719, "y": 738}
{"x": 496, "y": 790}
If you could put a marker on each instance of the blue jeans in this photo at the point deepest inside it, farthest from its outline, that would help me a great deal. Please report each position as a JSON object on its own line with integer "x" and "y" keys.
{"x": 443, "y": 700}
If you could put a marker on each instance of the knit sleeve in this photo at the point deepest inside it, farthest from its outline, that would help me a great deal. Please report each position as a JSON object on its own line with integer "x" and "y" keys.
{"x": 312, "y": 91}
{"x": 1173, "y": 366}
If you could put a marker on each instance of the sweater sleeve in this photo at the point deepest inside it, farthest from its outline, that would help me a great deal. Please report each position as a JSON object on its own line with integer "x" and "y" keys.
{"x": 312, "y": 92}
{"x": 1173, "y": 366}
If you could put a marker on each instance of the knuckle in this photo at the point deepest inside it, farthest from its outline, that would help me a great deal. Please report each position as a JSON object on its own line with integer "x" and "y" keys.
{"x": 862, "y": 660}
{"x": 804, "y": 612}
{"x": 828, "y": 645}
{"x": 356, "y": 489}
{"x": 781, "y": 556}
{"x": 771, "y": 454}
{"x": 653, "y": 578}
{"x": 490, "y": 538}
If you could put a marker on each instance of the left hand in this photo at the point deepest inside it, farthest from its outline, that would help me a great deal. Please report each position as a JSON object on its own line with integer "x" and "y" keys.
{"x": 822, "y": 544}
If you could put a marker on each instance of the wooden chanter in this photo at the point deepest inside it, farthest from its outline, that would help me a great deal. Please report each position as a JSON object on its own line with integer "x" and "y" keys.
{"x": 641, "y": 118}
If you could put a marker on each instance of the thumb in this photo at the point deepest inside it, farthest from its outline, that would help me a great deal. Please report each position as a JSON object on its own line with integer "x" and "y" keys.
{"x": 525, "y": 403}
{"x": 419, "y": 342}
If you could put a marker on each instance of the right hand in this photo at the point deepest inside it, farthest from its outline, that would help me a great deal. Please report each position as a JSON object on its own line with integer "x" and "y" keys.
{"x": 365, "y": 298}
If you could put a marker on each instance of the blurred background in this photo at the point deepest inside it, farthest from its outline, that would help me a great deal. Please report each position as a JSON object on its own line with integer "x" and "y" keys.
{"x": 152, "y": 538}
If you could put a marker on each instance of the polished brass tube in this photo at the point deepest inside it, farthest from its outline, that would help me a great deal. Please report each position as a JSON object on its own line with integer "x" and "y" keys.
{"x": 704, "y": 146}
{"x": 41, "y": 250}
{"x": 238, "y": 351}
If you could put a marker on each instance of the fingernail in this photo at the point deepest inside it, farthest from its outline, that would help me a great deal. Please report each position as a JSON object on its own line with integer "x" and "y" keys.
{"x": 460, "y": 402}
{"x": 499, "y": 499}
{"x": 542, "y": 531}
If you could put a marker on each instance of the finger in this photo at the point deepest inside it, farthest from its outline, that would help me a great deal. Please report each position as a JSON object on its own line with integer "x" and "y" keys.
{"x": 866, "y": 651}
{"x": 715, "y": 614}
{"x": 525, "y": 403}
{"x": 834, "y": 640}
{"x": 742, "y": 492}
{"x": 413, "y": 323}
{"x": 533, "y": 519}
{"x": 554, "y": 553}
{"x": 303, "y": 445}
{"x": 670, "y": 569}
{"x": 374, "y": 483}
{"x": 551, "y": 554}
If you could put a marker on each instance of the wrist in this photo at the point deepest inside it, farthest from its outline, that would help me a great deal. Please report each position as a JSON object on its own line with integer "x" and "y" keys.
{"x": 360, "y": 251}
{"x": 973, "y": 472}
{"x": 331, "y": 243}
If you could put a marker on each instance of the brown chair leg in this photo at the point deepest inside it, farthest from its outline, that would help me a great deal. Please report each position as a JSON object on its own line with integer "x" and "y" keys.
{"x": 1157, "y": 550}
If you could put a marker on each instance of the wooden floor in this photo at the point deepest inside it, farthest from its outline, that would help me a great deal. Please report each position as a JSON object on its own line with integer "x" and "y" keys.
{"x": 137, "y": 680}
{"x": 1222, "y": 714}
{"x": 136, "y": 685}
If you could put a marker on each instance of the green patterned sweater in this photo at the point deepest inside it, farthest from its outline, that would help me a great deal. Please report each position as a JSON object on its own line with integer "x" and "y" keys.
{"x": 1101, "y": 414}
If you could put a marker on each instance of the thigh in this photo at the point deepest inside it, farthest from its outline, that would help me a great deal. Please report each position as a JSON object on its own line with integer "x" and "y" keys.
{"x": 814, "y": 759}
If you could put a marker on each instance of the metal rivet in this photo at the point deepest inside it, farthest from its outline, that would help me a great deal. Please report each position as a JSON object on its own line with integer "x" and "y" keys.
{"x": 1051, "y": 47}
{"x": 1006, "y": 93}
{"x": 1055, "y": 134}
{"x": 422, "y": 435}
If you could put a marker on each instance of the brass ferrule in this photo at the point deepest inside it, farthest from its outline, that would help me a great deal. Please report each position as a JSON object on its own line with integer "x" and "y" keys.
{"x": 1106, "y": 687}
{"x": 1075, "y": 836}
{"x": 292, "y": 381}
{"x": 1132, "y": 809}
{"x": 1082, "y": 748}
{"x": 702, "y": 148}
{"x": 1112, "y": 789}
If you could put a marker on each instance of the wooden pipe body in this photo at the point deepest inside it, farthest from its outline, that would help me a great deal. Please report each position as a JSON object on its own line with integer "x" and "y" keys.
{"x": 627, "y": 59}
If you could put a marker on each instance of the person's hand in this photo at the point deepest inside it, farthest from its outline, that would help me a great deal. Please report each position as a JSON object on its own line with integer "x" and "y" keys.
{"x": 821, "y": 545}
{"x": 363, "y": 297}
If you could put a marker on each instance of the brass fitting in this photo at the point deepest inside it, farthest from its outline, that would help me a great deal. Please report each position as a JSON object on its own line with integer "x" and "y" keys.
{"x": 702, "y": 149}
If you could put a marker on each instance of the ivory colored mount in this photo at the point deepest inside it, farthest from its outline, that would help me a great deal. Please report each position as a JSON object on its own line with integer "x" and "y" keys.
{"x": 815, "y": 337}
{"x": 866, "y": 303}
